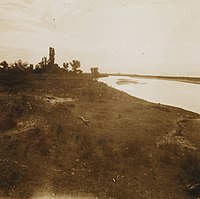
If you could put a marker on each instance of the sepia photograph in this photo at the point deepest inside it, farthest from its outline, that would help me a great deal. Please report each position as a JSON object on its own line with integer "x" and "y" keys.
{"x": 99, "y": 99}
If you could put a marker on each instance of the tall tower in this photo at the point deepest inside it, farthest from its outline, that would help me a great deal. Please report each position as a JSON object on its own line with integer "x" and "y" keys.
{"x": 51, "y": 56}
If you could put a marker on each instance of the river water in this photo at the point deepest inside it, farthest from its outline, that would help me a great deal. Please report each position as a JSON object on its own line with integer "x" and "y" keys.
{"x": 173, "y": 93}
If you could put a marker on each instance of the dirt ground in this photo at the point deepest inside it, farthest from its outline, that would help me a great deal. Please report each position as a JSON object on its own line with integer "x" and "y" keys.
{"x": 69, "y": 136}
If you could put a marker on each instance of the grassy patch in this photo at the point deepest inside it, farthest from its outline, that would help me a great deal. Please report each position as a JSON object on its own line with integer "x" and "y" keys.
{"x": 11, "y": 111}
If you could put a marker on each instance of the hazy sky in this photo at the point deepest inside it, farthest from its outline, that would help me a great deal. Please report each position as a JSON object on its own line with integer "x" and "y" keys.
{"x": 127, "y": 36}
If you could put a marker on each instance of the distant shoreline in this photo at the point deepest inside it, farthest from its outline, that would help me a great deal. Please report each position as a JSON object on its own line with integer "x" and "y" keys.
{"x": 193, "y": 80}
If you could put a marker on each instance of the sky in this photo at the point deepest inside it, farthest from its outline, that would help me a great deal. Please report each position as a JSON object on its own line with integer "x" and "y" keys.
{"x": 156, "y": 37}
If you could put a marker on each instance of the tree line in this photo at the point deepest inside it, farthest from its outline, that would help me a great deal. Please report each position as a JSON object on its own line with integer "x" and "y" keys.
{"x": 20, "y": 65}
{"x": 47, "y": 65}
{"x": 71, "y": 67}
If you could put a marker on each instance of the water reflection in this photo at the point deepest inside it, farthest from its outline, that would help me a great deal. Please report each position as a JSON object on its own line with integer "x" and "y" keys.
{"x": 179, "y": 94}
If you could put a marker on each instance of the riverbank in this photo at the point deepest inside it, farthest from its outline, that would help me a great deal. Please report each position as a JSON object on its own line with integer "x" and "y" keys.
{"x": 166, "y": 92}
{"x": 64, "y": 135}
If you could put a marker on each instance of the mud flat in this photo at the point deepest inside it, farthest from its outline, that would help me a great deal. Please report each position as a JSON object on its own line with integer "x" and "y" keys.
{"x": 71, "y": 136}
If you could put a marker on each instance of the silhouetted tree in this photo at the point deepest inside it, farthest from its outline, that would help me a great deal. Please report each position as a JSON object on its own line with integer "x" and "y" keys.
{"x": 75, "y": 64}
{"x": 31, "y": 66}
{"x": 4, "y": 64}
{"x": 43, "y": 62}
{"x": 20, "y": 65}
{"x": 95, "y": 71}
{"x": 66, "y": 66}
{"x": 51, "y": 56}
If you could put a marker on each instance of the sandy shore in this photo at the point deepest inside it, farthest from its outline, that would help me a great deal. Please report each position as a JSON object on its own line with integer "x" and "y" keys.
{"x": 63, "y": 135}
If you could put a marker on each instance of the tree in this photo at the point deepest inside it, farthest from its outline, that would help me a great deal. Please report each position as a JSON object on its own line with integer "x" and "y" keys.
{"x": 4, "y": 64}
{"x": 95, "y": 71}
{"x": 19, "y": 64}
{"x": 51, "y": 56}
{"x": 75, "y": 64}
{"x": 31, "y": 66}
{"x": 66, "y": 66}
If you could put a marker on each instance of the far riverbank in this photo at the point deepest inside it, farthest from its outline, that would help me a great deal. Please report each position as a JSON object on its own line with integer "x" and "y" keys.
{"x": 193, "y": 80}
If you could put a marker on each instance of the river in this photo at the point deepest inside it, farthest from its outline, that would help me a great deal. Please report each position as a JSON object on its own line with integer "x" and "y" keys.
{"x": 173, "y": 93}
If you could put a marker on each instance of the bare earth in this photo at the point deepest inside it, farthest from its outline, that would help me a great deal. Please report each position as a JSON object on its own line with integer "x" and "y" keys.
{"x": 71, "y": 137}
